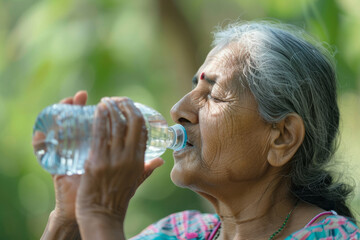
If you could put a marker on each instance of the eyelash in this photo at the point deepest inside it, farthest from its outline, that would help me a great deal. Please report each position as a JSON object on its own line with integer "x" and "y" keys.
{"x": 214, "y": 99}
{"x": 194, "y": 84}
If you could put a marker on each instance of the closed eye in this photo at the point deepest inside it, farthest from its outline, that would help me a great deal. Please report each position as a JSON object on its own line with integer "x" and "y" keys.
{"x": 214, "y": 98}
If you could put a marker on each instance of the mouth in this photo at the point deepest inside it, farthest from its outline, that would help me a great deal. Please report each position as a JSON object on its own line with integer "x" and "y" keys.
{"x": 181, "y": 153}
{"x": 188, "y": 144}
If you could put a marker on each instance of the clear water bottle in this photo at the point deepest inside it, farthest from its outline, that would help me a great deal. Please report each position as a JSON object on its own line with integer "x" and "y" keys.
{"x": 62, "y": 136}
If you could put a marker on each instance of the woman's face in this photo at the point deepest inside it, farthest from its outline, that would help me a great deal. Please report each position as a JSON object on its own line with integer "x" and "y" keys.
{"x": 227, "y": 139}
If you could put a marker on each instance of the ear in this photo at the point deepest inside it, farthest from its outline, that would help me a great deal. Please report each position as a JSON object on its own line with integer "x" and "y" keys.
{"x": 285, "y": 139}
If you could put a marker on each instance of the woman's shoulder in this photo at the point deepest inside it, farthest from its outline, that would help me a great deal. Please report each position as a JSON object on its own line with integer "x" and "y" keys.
{"x": 335, "y": 227}
{"x": 182, "y": 225}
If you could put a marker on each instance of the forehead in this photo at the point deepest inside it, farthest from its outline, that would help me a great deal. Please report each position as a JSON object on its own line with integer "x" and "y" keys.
{"x": 224, "y": 58}
{"x": 222, "y": 65}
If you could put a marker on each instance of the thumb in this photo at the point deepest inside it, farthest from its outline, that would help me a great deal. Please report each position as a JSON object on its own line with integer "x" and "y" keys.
{"x": 152, "y": 164}
{"x": 149, "y": 167}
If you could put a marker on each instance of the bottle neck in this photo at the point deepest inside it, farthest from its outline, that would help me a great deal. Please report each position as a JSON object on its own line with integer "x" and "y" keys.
{"x": 177, "y": 136}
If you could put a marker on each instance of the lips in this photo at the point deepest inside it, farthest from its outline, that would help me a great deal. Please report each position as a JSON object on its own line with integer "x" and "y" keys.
{"x": 188, "y": 144}
{"x": 181, "y": 153}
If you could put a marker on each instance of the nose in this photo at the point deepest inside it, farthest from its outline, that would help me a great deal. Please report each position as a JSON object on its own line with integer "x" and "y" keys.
{"x": 185, "y": 111}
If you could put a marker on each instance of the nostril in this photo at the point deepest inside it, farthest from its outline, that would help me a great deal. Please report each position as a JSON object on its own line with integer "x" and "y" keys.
{"x": 183, "y": 120}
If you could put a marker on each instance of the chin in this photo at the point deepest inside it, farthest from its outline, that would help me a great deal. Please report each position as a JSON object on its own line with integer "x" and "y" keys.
{"x": 177, "y": 178}
{"x": 186, "y": 177}
{"x": 181, "y": 177}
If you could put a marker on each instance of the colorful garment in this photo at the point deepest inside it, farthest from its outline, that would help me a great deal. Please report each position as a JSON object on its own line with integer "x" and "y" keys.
{"x": 194, "y": 225}
{"x": 332, "y": 227}
{"x": 183, "y": 225}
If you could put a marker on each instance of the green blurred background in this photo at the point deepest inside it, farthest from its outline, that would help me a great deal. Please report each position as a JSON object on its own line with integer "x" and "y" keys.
{"x": 149, "y": 51}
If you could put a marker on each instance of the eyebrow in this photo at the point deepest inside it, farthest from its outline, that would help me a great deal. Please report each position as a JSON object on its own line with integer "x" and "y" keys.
{"x": 208, "y": 80}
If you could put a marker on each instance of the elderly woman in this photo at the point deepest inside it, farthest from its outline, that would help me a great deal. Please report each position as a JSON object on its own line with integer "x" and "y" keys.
{"x": 262, "y": 120}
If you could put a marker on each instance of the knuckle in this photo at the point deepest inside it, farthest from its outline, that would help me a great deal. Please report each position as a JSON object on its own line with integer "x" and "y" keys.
{"x": 123, "y": 99}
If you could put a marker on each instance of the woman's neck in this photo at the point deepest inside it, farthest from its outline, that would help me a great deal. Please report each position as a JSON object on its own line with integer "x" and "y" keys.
{"x": 254, "y": 212}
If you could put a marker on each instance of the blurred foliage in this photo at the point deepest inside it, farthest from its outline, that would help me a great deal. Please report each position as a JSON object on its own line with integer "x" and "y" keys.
{"x": 147, "y": 50}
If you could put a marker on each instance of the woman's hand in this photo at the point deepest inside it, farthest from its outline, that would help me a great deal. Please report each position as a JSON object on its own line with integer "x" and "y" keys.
{"x": 62, "y": 221}
{"x": 114, "y": 170}
{"x": 106, "y": 172}
{"x": 66, "y": 186}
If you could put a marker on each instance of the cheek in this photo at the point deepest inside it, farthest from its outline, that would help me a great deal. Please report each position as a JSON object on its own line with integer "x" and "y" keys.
{"x": 234, "y": 144}
{"x": 216, "y": 135}
{"x": 251, "y": 155}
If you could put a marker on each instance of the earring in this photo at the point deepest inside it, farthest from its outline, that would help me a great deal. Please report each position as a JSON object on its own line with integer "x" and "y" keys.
{"x": 202, "y": 76}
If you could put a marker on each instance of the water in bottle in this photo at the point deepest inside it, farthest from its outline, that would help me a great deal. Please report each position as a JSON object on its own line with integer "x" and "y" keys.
{"x": 63, "y": 133}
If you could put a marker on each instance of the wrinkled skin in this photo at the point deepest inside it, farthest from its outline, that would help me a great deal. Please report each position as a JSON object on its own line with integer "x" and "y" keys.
{"x": 234, "y": 150}
{"x": 234, "y": 158}
{"x": 113, "y": 172}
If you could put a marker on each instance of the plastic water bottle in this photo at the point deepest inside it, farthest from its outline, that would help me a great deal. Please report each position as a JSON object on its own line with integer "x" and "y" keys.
{"x": 64, "y": 132}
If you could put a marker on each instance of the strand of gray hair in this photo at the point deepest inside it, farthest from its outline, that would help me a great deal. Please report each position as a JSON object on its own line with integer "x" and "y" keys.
{"x": 287, "y": 71}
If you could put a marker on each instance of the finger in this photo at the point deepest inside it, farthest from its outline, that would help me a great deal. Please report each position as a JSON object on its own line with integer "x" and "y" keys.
{"x": 71, "y": 181}
{"x": 80, "y": 98}
{"x": 39, "y": 144}
{"x": 68, "y": 100}
{"x": 118, "y": 127}
{"x": 38, "y": 137}
{"x": 99, "y": 143}
{"x": 57, "y": 177}
{"x": 140, "y": 152}
{"x": 152, "y": 164}
{"x": 136, "y": 135}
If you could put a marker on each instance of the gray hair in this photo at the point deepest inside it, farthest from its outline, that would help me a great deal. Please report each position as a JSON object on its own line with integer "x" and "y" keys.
{"x": 289, "y": 72}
